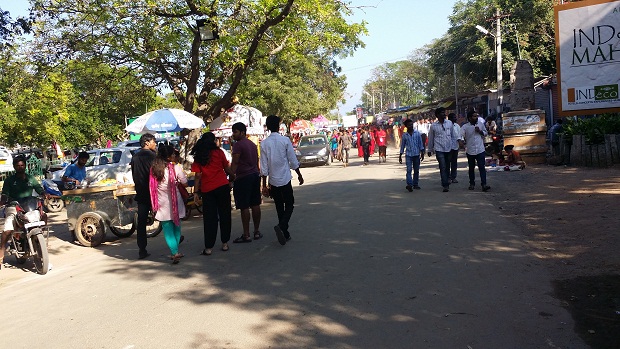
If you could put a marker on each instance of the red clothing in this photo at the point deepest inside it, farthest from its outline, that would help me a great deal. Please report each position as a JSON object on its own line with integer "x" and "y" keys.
{"x": 213, "y": 175}
{"x": 381, "y": 138}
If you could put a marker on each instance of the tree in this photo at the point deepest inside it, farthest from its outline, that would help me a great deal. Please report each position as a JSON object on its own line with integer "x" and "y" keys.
{"x": 10, "y": 28}
{"x": 473, "y": 53}
{"x": 160, "y": 40}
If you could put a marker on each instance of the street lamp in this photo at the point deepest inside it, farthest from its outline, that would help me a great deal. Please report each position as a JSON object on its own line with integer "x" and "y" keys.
{"x": 373, "y": 101}
{"x": 206, "y": 30}
{"x": 498, "y": 50}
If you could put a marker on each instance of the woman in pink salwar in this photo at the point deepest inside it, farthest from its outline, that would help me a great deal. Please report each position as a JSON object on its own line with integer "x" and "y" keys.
{"x": 166, "y": 199}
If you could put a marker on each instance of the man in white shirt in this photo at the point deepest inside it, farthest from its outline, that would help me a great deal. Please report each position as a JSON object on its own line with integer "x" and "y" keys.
{"x": 473, "y": 133}
{"x": 454, "y": 153}
{"x": 440, "y": 138}
{"x": 277, "y": 158}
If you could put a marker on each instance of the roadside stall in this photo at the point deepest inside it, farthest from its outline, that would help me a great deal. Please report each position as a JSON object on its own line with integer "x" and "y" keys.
{"x": 95, "y": 211}
{"x": 251, "y": 117}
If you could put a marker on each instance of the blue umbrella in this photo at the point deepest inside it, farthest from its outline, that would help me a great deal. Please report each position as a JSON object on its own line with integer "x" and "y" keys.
{"x": 165, "y": 120}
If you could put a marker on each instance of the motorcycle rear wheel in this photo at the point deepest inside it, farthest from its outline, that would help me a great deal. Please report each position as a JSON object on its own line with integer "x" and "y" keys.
{"x": 41, "y": 258}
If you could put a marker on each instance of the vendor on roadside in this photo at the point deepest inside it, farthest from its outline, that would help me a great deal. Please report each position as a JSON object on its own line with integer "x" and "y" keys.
{"x": 76, "y": 172}
{"x": 512, "y": 158}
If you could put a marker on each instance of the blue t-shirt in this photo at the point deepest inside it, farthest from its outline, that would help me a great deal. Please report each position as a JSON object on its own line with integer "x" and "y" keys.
{"x": 73, "y": 171}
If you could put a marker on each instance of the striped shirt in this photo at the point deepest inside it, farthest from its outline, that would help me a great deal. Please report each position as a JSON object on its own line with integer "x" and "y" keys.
{"x": 441, "y": 136}
{"x": 412, "y": 144}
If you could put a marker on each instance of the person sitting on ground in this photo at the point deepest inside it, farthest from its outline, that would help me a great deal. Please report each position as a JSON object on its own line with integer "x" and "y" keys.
{"x": 513, "y": 158}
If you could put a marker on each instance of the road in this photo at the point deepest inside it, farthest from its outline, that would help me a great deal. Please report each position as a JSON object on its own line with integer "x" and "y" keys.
{"x": 370, "y": 265}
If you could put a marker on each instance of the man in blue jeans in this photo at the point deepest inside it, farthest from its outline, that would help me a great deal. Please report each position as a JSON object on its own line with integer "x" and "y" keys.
{"x": 440, "y": 138}
{"x": 413, "y": 147}
{"x": 473, "y": 134}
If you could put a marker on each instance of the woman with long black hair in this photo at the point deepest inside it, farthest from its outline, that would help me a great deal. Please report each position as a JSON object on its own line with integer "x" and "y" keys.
{"x": 212, "y": 185}
{"x": 166, "y": 199}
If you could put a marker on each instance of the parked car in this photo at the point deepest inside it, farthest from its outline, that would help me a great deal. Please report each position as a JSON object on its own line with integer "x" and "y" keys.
{"x": 6, "y": 160}
{"x": 313, "y": 150}
{"x": 106, "y": 163}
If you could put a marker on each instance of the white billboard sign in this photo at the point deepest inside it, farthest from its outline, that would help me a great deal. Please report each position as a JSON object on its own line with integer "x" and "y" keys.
{"x": 588, "y": 56}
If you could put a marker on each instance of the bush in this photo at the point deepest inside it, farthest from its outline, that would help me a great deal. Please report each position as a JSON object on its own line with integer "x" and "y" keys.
{"x": 593, "y": 128}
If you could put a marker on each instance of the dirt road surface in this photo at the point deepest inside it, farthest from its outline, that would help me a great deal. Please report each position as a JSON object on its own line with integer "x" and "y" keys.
{"x": 370, "y": 265}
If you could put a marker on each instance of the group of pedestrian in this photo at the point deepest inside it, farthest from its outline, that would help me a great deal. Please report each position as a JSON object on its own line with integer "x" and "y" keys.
{"x": 157, "y": 180}
{"x": 445, "y": 137}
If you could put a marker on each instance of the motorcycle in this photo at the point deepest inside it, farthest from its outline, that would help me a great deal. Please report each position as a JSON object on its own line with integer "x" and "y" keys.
{"x": 30, "y": 236}
{"x": 492, "y": 144}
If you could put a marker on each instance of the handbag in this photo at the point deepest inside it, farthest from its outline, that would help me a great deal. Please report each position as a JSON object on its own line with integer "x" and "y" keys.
{"x": 183, "y": 191}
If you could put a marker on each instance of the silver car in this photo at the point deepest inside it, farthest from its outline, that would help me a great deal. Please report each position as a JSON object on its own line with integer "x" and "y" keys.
{"x": 6, "y": 160}
{"x": 106, "y": 163}
{"x": 313, "y": 150}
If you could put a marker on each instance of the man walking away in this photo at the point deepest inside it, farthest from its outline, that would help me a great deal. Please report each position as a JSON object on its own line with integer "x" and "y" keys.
{"x": 473, "y": 133}
{"x": 140, "y": 169}
{"x": 345, "y": 142}
{"x": 276, "y": 161}
{"x": 440, "y": 138}
{"x": 365, "y": 143}
{"x": 247, "y": 181}
{"x": 454, "y": 153}
{"x": 414, "y": 147}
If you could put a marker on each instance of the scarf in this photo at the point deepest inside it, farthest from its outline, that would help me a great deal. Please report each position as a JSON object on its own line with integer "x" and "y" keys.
{"x": 153, "y": 183}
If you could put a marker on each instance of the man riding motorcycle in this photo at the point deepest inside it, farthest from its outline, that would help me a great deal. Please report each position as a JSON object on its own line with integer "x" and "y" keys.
{"x": 17, "y": 186}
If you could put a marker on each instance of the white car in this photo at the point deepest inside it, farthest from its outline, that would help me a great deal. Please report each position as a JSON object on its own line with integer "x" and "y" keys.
{"x": 106, "y": 163}
{"x": 6, "y": 160}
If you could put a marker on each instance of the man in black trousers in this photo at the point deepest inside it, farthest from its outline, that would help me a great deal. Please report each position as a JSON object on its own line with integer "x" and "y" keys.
{"x": 140, "y": 169}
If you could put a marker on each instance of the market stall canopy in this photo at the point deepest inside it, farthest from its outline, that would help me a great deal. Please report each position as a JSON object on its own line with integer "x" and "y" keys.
{"x": 299, "y": 126}
{"x": 165, "y": 120}
{"x": 320, "y": 121}
{"x": 251, "y": 117}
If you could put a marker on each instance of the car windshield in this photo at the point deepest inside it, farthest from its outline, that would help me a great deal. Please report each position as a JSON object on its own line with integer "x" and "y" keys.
{"x": 308, "y": 141}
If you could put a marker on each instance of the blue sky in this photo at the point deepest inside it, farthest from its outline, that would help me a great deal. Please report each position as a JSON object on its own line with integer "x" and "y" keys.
{"x": 396, "y": 28}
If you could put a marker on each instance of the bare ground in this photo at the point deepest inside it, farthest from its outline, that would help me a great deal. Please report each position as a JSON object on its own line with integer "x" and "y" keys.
{"x": 571, "y": 219}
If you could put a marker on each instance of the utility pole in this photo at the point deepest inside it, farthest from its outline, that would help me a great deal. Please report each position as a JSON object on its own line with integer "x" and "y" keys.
{"x": 498, "y": 48}
{"x": 456, "y": 95}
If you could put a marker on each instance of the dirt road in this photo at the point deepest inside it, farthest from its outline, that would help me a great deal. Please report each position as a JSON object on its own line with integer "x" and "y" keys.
{"x": 370, "y": 265}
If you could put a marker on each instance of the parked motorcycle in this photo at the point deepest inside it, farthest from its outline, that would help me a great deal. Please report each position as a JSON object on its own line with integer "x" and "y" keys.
{"x": 492, "y": 144}
{"x": 30, "y": 236}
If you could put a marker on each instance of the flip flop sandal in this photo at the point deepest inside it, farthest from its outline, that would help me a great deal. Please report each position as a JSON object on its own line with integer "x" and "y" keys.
{"x": 206, "y": 252}
{"x": 257, "y": 235}
{"x": 224, "y": 247}
{"x": 242, "y": 239}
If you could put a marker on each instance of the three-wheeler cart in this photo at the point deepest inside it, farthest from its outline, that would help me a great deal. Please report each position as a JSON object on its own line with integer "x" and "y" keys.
{"x": 92, "y": 212}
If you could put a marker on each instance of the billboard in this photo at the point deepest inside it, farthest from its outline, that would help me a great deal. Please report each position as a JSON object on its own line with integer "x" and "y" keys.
{"x": 587, "y": 36}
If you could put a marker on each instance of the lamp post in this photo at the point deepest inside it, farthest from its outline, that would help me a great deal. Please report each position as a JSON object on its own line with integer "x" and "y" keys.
{"x": 498, "y": 50}
{"x": 206, "y": 30}
{"x": 373, "y": 101}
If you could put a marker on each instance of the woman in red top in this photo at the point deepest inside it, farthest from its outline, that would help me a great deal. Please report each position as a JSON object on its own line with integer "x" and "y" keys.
{"x": 210, "y": 166}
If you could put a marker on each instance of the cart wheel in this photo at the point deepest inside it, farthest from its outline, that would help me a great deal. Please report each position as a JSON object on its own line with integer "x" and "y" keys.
{"x": 54, "y": 204}
{"x": 90, "y": 229}
{"x": 123, "y": 231}
{"x": 154, "y": 229}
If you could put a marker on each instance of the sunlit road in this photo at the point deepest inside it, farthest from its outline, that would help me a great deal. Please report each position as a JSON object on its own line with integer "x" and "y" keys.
{"x": 370, "y": 265}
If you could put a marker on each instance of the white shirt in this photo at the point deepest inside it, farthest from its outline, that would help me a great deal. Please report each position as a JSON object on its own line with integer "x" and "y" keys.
{"x": 474, "y": 141}
{"x": 277, "y": 158}
{"x": 457, "y": 132}
{"x": 441, "y": 136}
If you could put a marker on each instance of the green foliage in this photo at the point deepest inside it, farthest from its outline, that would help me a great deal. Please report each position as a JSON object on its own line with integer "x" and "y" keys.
{"x": 160, "y": 40}
{"x": 594, "y": 128}
{"x": 530, "y": 22}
